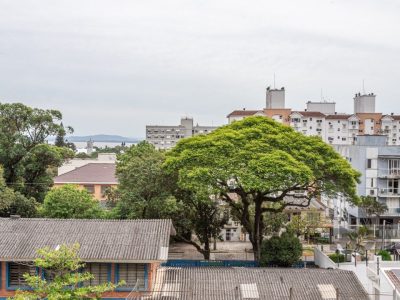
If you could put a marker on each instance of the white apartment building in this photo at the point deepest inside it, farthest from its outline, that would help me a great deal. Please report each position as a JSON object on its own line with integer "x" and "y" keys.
{"x": 321, "y": 119}
{"x": 166, "y": 137}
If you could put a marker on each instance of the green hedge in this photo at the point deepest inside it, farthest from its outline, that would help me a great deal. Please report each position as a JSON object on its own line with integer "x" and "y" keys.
{"x": 385, "y": 255}
{"x": 334, "y": 257}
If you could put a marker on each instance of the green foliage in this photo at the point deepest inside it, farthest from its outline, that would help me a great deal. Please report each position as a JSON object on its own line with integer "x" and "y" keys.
{"x": 335, "y": 257}
{"x": 385, "y": 255}
{"x": 24, "y": 153}
{"x": 283, "y": 251}
{"x": 372, "y": 206}
{"x": 64, "y": 266}
{"x": 146, "y": 191}
{"x": 143, "y": 184}
{"x": 261, "y": 162}
{"x": 14, "y": 203}
{"x": 60, "y": 140}
{"x": 70, "y": 202}
{"x": 357, "y": 239}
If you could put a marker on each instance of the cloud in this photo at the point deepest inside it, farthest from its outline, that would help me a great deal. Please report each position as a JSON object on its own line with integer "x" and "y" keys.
{"x": 115, "y": 66}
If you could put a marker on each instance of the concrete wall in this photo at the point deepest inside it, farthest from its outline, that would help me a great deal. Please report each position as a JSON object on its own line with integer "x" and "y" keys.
{"x": 322, "y": 260}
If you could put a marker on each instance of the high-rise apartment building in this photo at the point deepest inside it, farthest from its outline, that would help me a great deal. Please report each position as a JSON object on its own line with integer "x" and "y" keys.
{"x": 166, "y": 137}
{"x": 322, "y": 119}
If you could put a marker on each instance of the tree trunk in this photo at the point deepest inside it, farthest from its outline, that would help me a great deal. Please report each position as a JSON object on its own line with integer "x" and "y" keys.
{"x": 206, "y": 252}
{"x": 257, "y": 231}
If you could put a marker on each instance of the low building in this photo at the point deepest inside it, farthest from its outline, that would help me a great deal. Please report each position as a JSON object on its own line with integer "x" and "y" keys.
{"x": 218, "y": 283}
{"x": 96, "y": 178}
{"x": 72, "y": 164}
{"x": 166, "y": 137}
{"x": 113, "y": 250}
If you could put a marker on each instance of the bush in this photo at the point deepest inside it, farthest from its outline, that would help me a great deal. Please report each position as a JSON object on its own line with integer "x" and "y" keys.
{"x": 282, "y": 251}
{"x": 385, "y": 255}
{"x": 334, "y": 257}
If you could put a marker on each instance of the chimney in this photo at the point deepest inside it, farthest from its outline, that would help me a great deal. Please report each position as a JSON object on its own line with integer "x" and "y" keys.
{"x": 15, "y": 217}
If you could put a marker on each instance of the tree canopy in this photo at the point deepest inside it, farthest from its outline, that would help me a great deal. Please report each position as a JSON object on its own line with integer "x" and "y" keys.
{"x": 64, "y": 268}
{"x": 24, "y": 153}
{"x": 267, "y": 165}
{"x": 14, "y": 203}
{"x": 70, "y": 202}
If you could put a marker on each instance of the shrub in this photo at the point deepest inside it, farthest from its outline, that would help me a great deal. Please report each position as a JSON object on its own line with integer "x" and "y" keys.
{"x": 282, "y": 251}
{"x": 385, "y": 255}
{"x": 334, "y": 257}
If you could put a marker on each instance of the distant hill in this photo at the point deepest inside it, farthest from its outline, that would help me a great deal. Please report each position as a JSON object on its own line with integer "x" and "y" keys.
{"x": 103, "y": 138}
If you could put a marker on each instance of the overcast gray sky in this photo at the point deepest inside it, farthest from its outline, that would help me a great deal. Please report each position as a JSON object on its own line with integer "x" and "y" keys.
{"x": 114, "y": 66}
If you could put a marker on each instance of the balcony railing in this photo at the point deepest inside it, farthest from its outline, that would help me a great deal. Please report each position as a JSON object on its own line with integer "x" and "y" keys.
{"x": 389, "y": 192}
{"x": 389, "y": 173}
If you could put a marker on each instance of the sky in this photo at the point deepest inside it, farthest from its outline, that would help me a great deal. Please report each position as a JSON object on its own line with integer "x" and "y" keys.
{"x": 113, "y": 66}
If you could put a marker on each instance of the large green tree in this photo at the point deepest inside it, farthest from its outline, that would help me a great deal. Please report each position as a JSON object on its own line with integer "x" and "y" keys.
{"x": 143, "y": 184}
{"x": 70, "y": 202}
{"x": 14, "y": 203}
{"x": 24, "y": 153}
{"x": 67, "y": 281}
{"x": 146, "y": 191}
{"x": 266, "y": 165}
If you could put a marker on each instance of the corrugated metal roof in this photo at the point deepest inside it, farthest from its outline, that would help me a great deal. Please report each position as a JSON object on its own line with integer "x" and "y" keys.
{"x": 90, "y": 173}
{"x": 100, "y": 240}
{"x": 213, "y": 283}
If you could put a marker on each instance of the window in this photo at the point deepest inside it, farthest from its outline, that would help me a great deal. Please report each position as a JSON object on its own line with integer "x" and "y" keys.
{"x": 104, "y": 189}
{"x": 369, "y": 163}
{"x": 100, "y": 271}
{"x": 15, "y": 273}
{"x": 89, "y": 188}
{"x": 133, "y": 275}
{"x": 393, "y": 186}
{"x": 372, "y": 182}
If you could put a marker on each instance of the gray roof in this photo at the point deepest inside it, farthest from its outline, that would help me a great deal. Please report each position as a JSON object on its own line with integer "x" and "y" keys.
{"x": 100, "y": 240}
{"x": 214, "y": 283}
{"x": 90, "y": 173}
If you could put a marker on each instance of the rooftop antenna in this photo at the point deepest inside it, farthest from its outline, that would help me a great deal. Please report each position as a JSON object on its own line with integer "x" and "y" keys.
{"x": 274, "y": 81}
{"x": 322, "y": 96}
{"x": 364, "y": 86}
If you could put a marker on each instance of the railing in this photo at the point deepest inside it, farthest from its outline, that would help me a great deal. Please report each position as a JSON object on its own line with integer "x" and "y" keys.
{"x": 379, "y": 231}
{"x": 389, "y": 173}
{"x": 210, "y": 263}
{"x": 389, "y": 192}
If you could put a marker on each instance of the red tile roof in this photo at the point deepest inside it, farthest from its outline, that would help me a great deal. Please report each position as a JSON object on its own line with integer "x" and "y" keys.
{"x": 90, "y": 173}
{"x": 338, "y": 117}
{"x": 310, "y": 114}
{"x": 243, "y": 112}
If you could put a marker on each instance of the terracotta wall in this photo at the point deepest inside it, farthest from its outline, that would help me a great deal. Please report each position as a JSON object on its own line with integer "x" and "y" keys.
{"x": 4, "y": 293}
{"x": 97, "y": 189}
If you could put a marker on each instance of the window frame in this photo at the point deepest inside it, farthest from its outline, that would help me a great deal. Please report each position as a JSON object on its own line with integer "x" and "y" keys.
{"x": 13, "y": 287}
{"x": 128, "y": 289}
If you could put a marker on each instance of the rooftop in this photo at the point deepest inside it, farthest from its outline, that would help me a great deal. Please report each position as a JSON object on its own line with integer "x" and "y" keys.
{"x": 90, "y": 173}
{"x": 100, "y": 240}
{"x": 215, "y": 283}
{"x": 243, "y": 112}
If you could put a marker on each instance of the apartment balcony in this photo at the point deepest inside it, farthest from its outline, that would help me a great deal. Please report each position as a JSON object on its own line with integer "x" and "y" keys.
{"x": 389, "y": 192}
{"x": 392, "y": 212}
{"x": 386, "y": 173}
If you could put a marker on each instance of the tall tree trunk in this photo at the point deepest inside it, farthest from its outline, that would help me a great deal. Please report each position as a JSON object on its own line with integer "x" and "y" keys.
{"x": 207, "y": 250}
{"x": 257, "y": 232}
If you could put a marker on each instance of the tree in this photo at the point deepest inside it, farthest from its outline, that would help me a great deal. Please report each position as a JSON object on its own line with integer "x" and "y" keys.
{"x": 14, "y": 203}
{"x": 63, "y": 266}
{"x": 283, "y": 251}
{"x": 24, "y": 153}
{"x": 146, "y": 191}
{"x": 372, "y": 207}
{"x": 204, "y": 217}
{"x": 70, "y": 202}
{"x": 357, "y": 239}
{"x": 261, "y": 162}
{"x": 143, "y": 184}
{"x": 60, "y": 140}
